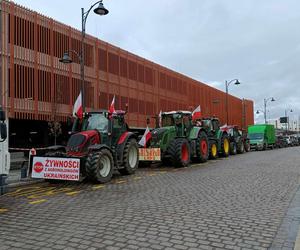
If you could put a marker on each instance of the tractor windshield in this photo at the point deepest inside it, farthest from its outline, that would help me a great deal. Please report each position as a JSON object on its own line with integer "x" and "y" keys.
{"x": 167, "y": 120}
{"x": 95, "y": 121}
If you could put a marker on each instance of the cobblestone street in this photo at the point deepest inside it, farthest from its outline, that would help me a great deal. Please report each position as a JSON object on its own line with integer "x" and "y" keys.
{"x": 235, "y": 203}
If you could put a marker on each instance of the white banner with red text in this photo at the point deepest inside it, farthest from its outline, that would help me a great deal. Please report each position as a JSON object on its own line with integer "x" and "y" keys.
{"x": 56, "y": 168}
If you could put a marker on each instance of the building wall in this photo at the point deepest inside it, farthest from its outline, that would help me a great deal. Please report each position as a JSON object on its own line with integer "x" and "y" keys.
{"x": 36, "y": 86}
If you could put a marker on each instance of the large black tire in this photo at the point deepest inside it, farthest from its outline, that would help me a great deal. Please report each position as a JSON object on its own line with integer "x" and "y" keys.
{"x": 240, "y": 147}
{"x": 130, "y": 157}
{"x": 225, "y": 145}
{"x": 213, "y": 151}
{"x": 202, "y": 147}
{"x": 233, "y": 148}
{"x": 99, "y": 166}
{"x": 180, "y": 152}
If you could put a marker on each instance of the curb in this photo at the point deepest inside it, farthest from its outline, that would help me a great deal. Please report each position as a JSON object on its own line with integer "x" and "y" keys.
{"x": 23, "y": 183}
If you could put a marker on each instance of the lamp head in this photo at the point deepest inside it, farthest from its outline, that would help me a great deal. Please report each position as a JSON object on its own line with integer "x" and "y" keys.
{"x": 101, "y": 10}
{"x": 237, "y": 82}
{"x": 272, "y": 100}
{"x": 66, "y": 58}
{"x": 257, "y": 112}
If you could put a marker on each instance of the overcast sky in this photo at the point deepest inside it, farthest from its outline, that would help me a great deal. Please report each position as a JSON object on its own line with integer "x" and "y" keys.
{"x": 256, "y": 41}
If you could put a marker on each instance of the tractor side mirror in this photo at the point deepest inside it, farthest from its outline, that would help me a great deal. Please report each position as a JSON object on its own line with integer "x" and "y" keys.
{"x": 3, "y": 131}
{"x": 2, "y": 115}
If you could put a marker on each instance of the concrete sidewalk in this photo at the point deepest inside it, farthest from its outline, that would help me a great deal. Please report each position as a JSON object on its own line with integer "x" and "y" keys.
{"x": 15, "y": 179}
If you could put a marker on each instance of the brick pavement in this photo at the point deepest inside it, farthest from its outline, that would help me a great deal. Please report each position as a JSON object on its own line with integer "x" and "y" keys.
{"x": 234, "y": 203}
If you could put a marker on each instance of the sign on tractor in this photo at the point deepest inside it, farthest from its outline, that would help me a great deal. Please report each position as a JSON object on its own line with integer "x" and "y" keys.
{"x": 149, "y": 154}
{"x": 56, "y": 168}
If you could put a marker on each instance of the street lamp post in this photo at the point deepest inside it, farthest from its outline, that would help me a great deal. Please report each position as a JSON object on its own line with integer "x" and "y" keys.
{"x": 99, "y": 10}
{"x": 265, "y": 107}
{"x": 287, "y": 124}
{"x": 227, "y": 83}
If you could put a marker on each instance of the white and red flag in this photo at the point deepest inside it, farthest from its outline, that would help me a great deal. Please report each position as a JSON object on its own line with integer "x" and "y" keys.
{"x": 77, "y": 109}
{"x": 159, "y": 119}
{"x": 146, "y": 137}
{"x": 111, "y": 109}
{"x": 196, "y": 113}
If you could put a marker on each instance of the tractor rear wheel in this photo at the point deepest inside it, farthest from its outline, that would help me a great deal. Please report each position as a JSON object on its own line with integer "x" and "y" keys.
{"x": 202, "y": 149}
{"x": 180, "y": 152}
{"x": 233, "y": 148}
{"x": 225, "y": 145}
{"x": 213, "y": 154}
{"x": 99, "y": 165}
{"x": 130, "y": 157}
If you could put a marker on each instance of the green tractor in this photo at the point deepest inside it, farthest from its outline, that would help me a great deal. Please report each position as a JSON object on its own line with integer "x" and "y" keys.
{"x": 219, "y": 144}
{"x": 100, "y": 144}
{"x": 239, "y": 143}
{"x": 179, "y": 141}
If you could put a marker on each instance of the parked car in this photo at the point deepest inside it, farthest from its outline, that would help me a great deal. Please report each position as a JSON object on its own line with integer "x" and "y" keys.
{"x": 294, "y": 140}
{"x": 280, "y": 142}
{"x": 288, "y": 140}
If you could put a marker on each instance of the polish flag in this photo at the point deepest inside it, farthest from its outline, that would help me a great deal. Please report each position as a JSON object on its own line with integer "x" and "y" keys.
{"x": 112, "y": 107}
{"x": 196, "y": 113}
{"x": 146, "y": 137}
{"x": 77, "y": 109}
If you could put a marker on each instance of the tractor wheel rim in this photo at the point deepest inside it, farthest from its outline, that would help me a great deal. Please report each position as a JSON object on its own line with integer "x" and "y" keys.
{"x": 203, "y": 148}
{"x": 184, "y": 152}
{"x": 226, "y": 145}
{"x": 105, "y": 166}
{"x": 214, "y": 150}
{"x": 132, "y": 157}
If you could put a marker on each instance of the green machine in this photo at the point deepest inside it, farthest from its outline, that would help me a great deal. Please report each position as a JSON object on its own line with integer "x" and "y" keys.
{"x": 262, "y": 136}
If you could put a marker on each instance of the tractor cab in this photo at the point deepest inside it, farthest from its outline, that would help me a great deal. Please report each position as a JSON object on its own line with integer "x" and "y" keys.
{"x": 181, "y": 120}
{"x": 95, "y": 128}
{"x": 211, "y": 124}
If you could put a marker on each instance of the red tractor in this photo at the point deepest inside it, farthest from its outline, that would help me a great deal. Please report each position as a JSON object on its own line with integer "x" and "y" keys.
{"x": 100, "y": 142}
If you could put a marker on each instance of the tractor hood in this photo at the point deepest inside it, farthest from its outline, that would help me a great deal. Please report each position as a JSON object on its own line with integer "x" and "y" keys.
{"x": 160, "y": 136}
{"x": 78, "y": 143}
{"x": 157, "y": 134}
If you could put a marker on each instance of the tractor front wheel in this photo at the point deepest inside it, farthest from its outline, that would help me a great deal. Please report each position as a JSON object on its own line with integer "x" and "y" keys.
{"x": 99, "y": 166}
{"x": 241, "y": 147}
{"x": 180, "y": 152}
{"x": 225, "y": 145}
{"x": 213, "y": 154}
{"x": 202, "y": 147}
{"x": 130, "y": 157}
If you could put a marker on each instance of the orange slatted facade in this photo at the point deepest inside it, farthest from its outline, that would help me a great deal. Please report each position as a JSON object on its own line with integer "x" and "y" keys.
{"x": 36, "y": 86}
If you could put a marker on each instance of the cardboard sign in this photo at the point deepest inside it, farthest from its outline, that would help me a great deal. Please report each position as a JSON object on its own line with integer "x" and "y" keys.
{"x": 149, "y": 154}
{"x": 56, "y": 168}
